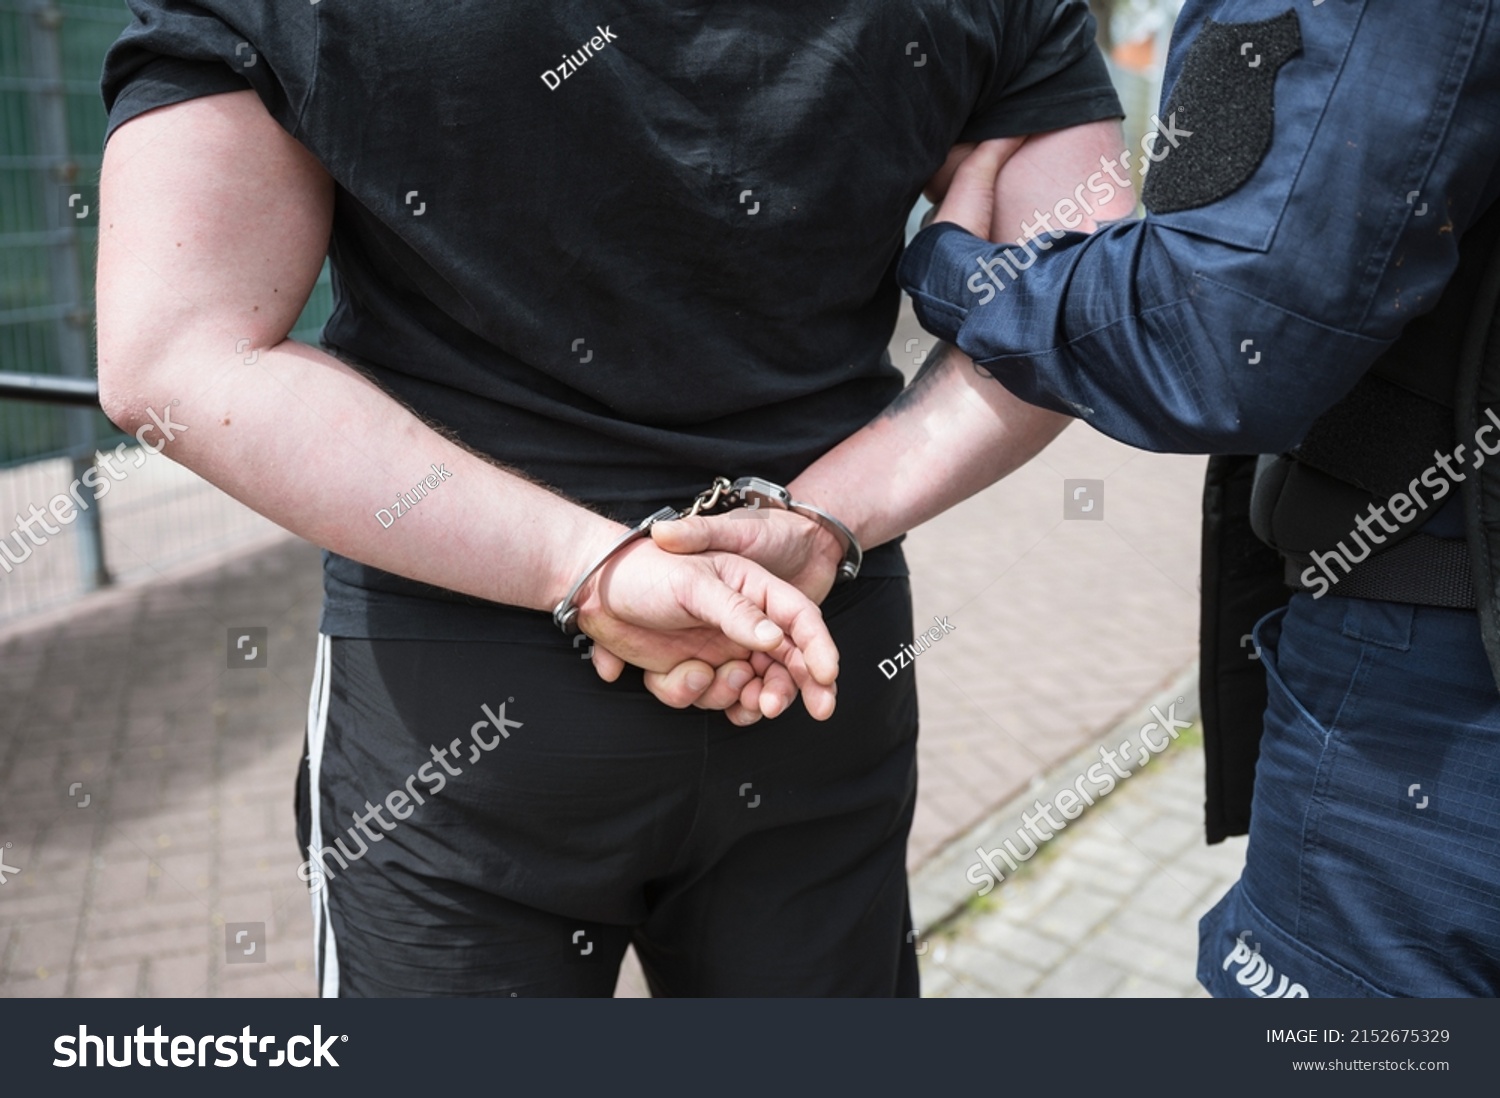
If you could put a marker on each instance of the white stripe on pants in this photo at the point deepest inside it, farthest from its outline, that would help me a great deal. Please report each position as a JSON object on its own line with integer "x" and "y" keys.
{"x": 325, "y": 949}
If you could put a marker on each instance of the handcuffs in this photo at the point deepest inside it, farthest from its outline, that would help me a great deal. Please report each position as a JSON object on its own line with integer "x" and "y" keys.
{"x": 747, "y": 492}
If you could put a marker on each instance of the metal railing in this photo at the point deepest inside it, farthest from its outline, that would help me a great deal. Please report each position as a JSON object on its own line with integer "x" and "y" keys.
{"x": 73, "y": 392}
{"x": 128, "y": 513}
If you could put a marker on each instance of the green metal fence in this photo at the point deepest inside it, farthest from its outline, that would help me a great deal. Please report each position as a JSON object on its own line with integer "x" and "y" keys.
{"x": 51, "y": 139}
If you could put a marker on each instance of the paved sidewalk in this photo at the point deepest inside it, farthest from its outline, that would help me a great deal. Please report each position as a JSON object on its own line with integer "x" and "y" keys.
{"x": 1109, "y": 907}
{"x": 145, "y": 786}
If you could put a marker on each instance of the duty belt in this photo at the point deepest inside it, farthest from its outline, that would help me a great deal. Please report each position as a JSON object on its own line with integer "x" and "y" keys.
{"x": 1422, "y": 570}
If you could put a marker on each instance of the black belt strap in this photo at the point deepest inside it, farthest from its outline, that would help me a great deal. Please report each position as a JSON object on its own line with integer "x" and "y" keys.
{"x": 1422, "y": 570}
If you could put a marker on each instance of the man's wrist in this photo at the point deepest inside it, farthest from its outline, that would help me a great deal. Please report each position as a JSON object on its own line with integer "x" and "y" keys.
{"x": 586, "y": 541}
{"x": 828, "y": 545}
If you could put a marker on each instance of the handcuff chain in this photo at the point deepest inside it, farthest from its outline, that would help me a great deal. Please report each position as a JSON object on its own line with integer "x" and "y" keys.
{"x": 709, "y": 498}
{"x": 565, "y": 613}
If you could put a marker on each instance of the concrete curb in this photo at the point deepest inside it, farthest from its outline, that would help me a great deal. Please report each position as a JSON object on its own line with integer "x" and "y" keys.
{"x": 939, "y": 887}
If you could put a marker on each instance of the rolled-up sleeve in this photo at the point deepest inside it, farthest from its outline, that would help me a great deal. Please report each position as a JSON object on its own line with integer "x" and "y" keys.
{"x": 176, "y": 50}
{"x": 1051, "y": 74}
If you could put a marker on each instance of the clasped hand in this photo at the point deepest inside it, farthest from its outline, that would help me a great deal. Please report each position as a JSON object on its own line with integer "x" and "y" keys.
{"x": 721, "y": 613}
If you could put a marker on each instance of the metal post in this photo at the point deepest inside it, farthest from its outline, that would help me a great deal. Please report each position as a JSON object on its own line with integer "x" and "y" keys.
{"x": 50, "y": 119}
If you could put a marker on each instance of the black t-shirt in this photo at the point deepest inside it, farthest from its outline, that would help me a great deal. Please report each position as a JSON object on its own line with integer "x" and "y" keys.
{"x": 623, "y": 248}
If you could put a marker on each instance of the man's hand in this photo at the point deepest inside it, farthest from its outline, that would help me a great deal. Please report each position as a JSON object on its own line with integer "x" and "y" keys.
{"x": 969, "y": 195}
{"x": 706, "y": 615}
{"x": 787, "y": 544}
{"x": 970, "y": 183}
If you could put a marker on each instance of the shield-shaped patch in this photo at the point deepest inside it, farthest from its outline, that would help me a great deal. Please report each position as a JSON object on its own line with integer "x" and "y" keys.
{"x": 1224, "y": 99}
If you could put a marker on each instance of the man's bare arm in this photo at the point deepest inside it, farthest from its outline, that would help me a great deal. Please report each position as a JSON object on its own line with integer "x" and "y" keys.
{"x": 951, "y": 433}
{"x": 954, "y": 431}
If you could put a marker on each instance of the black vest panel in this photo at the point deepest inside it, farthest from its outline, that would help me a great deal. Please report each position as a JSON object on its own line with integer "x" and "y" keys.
{"x": 1428, "y": 391}
{"x": 1386, "y": 432}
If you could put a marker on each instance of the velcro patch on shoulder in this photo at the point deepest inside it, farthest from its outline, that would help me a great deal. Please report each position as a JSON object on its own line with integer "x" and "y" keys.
{"x": 1224, "y": 99}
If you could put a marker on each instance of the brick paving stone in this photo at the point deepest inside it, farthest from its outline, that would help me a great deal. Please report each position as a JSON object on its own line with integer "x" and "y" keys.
{"x": 266, "y": 981}
{"x": 33, "y": 904}
{"x": 268, "y": 851}
{"x": 1080, "y": 977}
{"x": 937, "y": 982}
{"x": 1075, "y": 913}
{"x": 187, "y": 975}
{"x": 1179, "y": 936}
{"x": 1020, "y": 943}
{"x": 30, "y": 985}
{"x": 1140, "y": 987}
{"x": 259, "y": 878}
{"x": 1039, "y": 890}
{"x": 1198, "y": 880}
{"x": 1107, "y": 847}
{"x": 1172, "y": 897}
{"x": 1006, "y": 561}
{"x": 968, "y": 989}
{"x": 1161, "y": 840}
{"x": 1126, "y": 815}
{"x": 1206, "y": 860}
{"x": 104, "y": 946}
{"x": 185, "y": 913}
{"x": 1002, "y": 975}
{"x": 1161, "y": 955}
{"x": 116, "y": 981}
{"x": 62, "y": 869}
{"x": 181, "y": 872}
{"x": 245, "y": 820}
{"x": 1089, "y": 874}
{"x": 43, "y": 945}
{"x": 123, "y": 882}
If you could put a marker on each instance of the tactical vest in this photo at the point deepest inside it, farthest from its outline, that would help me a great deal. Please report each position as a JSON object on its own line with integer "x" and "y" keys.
{"x": 1276, "y": 524}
